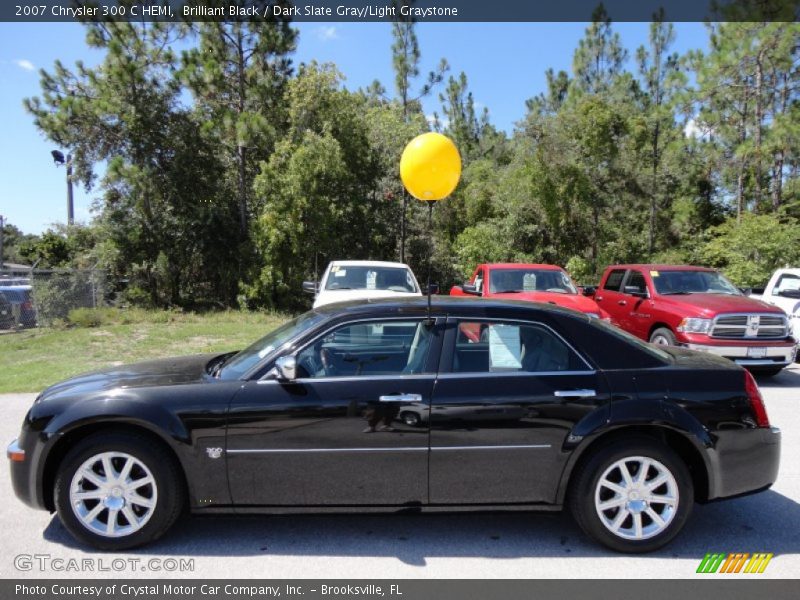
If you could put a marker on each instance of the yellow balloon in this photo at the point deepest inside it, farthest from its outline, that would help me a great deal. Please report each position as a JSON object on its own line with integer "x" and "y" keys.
{"x": 430, "y": 166}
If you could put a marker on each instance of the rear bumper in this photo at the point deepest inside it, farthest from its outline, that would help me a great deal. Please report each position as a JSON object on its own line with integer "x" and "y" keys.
{"x": 745, "y": 462}
{"x": 761, "y": 355}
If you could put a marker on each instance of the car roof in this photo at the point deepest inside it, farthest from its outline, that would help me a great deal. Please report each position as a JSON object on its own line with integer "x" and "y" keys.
{"x": 660, "y": 267}
{"x": 415, "y": 306}
{"x": 367, "y": 263}
{"x": 545, "y": 267}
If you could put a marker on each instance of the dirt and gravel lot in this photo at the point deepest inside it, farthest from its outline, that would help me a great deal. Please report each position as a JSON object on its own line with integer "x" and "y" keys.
{"x": 510, "y": 545}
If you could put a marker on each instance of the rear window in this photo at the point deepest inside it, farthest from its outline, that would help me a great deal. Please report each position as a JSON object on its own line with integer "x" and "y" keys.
{"x": 611, "y": 348}
{"x": 614, "y": 280}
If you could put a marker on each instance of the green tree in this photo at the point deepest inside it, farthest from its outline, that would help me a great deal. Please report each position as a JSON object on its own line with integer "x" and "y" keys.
{"x": 238, "y": 74}
{"x": 749, "y": 249}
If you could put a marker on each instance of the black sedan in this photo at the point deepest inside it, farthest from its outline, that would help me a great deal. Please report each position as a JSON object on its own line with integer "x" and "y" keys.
{"x": 547, "y": 409}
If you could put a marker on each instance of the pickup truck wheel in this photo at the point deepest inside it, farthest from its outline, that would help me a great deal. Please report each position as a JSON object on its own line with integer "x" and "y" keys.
{"x": 632, "y": 496}
{"x": 663, "y": 337}
{"x": 118, "y": 490}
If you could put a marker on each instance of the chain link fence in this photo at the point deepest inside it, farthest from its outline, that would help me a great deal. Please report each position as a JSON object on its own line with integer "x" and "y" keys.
{"x": 40, "y": 297}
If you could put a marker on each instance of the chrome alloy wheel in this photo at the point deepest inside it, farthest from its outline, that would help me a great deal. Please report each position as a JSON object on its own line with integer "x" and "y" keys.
{"x": 636, "y": 498}
{"x": 660, "y": 340}
{"x": 113, "y": 494}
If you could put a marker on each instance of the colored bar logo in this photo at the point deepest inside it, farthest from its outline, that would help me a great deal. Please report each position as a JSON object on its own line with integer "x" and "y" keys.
{"x": 736, "y": 562}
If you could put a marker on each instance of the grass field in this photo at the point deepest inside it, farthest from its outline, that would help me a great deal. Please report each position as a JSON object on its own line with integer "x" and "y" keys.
{"x": 33, "y": 359}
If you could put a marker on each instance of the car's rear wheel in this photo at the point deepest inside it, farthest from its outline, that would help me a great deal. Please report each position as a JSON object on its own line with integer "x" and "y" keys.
{"x": 632, "y": 496}
{"x": 663, "y": 337}
{"x": 118, "y": 490}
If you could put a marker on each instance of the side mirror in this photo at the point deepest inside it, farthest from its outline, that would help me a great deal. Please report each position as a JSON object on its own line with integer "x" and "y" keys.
{"x": 635, "y": 290}
{"x": 468, "y": 288}
{"x": 589, "y": 290}
{"x": 433, "y": 289}
{"x": 286, "y": 367}
{"x": 310, "y": 287}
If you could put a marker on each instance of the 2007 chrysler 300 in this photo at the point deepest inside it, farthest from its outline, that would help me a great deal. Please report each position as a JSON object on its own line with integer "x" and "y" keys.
{"x": 385, "y": 405}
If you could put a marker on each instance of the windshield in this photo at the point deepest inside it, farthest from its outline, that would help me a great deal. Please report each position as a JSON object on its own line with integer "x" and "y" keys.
{"x": 241, "y": 363}
{"x": 395, "y": 279}
{"x": 530, "y": 280}
{"x": 692, "y": 282}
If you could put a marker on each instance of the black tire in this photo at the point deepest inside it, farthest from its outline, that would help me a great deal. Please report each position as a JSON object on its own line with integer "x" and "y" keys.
{"x": 584, "y": 486}
{"x": 168, "y": 488}
{"x": 664, "y": 337}
{"x": 410, "y": 418}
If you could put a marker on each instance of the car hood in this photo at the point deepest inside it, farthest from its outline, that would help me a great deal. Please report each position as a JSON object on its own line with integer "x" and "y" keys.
{"x": 165, "y": 371}
{"x": 709, "y": 305}
{"x": 573, "y": 301}
{"x": 331, "y": 296}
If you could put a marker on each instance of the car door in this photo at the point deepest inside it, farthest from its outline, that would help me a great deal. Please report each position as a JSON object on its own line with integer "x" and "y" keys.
{"x": 337, "y": 434}
{"x": 502, "y": 408}
{"x": 610, "y": 297}
{"x": 636, "y": 316}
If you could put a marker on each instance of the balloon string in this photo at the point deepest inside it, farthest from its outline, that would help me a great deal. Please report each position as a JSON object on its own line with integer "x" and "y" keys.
{"x": 430, "y": 257}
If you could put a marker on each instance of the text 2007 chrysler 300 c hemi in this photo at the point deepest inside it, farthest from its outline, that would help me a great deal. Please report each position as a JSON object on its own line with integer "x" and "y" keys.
{"x": 384, "y": 405}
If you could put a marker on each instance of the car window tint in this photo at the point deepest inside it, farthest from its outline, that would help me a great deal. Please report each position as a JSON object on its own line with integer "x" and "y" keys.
{"x": 787, "y": 281}
{"x": 483, "y": 347}
{"x": 614, "y": 280}
{"x": 636, "y": 279}
{"x": 367, "y": 348}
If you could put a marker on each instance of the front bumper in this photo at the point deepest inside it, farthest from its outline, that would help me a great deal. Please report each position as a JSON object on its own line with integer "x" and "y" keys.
{"x": 744, "y": 461}
{"x": 752, "y": 355}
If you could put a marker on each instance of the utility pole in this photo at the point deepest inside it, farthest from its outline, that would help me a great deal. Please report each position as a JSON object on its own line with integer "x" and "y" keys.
{"x": 70, "y": 203}
{"x": 58, "y": 159}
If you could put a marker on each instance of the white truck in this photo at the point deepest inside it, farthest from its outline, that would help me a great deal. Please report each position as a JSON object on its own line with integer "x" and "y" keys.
{"x": 363, "y": 280}
{"x": 783, "y": 291}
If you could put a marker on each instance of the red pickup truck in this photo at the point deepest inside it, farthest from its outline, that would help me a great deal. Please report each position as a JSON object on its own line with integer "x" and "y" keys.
{"x": 697, "y": 308}
{"x": 536, "y": 283}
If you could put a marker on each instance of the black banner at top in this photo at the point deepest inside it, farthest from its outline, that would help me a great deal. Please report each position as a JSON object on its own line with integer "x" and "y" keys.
{"x": 391, "y": 10}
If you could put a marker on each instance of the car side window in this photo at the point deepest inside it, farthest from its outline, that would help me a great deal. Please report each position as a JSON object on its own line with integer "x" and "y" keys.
{"x": 637, "y": 279}
{"x": 479, "y": 281}
{"x": 492, "y": 347}
{"x": 787, "y": 281}
{"x": 367, "y": 348}
{"x": 614, "y": 280}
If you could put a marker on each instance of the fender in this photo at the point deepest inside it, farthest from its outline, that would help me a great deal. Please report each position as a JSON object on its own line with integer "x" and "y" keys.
{"x": 175, "y": 423}
{"x": 632, "y": 413}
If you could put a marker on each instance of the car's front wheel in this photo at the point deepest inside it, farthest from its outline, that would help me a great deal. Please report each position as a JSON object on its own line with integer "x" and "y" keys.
{"x": 118, "y": 490}
{"x": 663, "y": 337}
{"x": 632, "y": 496}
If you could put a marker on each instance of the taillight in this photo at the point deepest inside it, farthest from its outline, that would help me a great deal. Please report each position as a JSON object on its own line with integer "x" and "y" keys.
{"x": 756, "y": 401}
{"x": 27, "y": 306}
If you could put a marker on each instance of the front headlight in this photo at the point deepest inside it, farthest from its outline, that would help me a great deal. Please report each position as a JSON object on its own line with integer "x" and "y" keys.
{"x": 695, "y": 325}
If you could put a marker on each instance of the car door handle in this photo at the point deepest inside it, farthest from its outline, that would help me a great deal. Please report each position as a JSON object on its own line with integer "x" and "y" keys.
{"x": 622, "y": 302}
{"x": 575, "y": 393}
{"x": 401, "y": 398}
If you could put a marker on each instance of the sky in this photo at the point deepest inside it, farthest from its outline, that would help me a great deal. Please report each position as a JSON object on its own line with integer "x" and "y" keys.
{"x": 504, "y": 62}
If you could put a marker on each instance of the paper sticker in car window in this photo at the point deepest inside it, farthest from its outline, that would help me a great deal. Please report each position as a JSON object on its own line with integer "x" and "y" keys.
{"x": 653, "y": 273}
{"x": 505, "y": 353}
